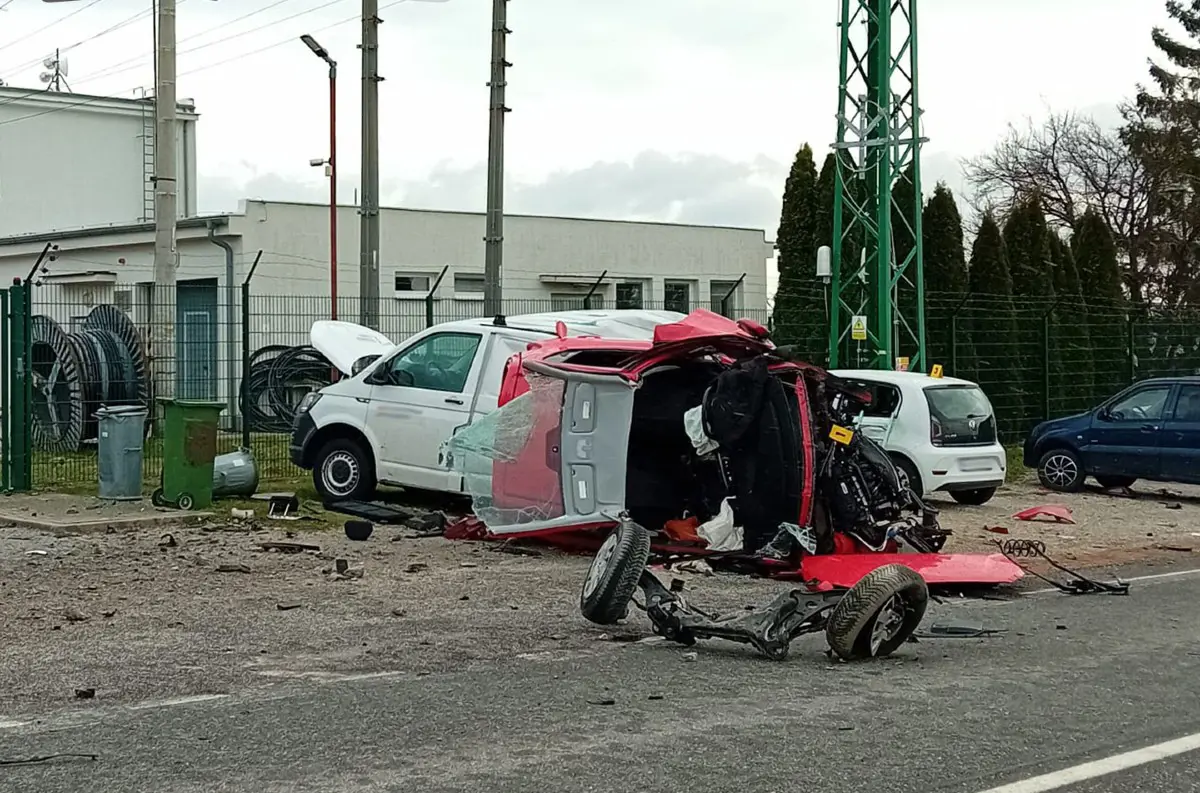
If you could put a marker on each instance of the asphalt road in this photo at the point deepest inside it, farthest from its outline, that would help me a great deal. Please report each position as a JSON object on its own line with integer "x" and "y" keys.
{"x": 1073, "y": 680}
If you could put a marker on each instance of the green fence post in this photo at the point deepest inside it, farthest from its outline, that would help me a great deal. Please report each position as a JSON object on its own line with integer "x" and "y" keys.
{"x": 1046, "y": 365}
{"x": 1132, "y": 353}
{"x": 19, "y": 420}
{"x": 5, "y": 396}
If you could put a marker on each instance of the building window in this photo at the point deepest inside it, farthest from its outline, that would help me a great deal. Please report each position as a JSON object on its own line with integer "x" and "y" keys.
{"x": 630, "y": 295}
{"x": 717, "y": 290}
{"x": 677, "y": 296}
{"x": 412, "y": 282}
{"x": 123, "y": 299}
{"x": 561, "y": 301}
{"x": 468, "y": 284}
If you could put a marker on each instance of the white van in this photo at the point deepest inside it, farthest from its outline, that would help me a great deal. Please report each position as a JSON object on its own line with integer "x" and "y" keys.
{"x": 941, "y": 431}
{"x": 386, "y": 420}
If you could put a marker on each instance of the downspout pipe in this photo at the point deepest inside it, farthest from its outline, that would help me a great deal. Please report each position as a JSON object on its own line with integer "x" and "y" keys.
{"x": 230, "y": 341}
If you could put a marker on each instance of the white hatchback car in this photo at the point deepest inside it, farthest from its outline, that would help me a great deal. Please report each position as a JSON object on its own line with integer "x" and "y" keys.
{"x": 941, "y": 431}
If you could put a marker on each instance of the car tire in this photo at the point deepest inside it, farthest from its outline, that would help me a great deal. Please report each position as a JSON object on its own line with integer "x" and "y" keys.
{"x": 909, "y": 475}
{"x": 1061, "y": 470}
{"x": 613, "y": 576}
{"x": 344, "y": 471}
{"x": 1113, "y": 482}
{"x": 878, "y": 614}
{"x": 976, "y": 497}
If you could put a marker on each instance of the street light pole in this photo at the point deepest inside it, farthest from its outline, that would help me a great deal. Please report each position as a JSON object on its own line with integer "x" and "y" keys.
{"x": 331, "y": 167}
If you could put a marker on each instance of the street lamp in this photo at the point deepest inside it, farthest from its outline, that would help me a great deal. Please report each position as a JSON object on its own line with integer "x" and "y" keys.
{"x": 330, "y": 166}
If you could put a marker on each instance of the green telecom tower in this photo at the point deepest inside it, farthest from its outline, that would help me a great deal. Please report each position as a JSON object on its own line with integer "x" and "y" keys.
{"x": 877, "y": 314}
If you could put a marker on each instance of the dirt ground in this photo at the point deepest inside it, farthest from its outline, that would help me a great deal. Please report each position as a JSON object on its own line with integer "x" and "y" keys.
{"x": 141, "y": 614}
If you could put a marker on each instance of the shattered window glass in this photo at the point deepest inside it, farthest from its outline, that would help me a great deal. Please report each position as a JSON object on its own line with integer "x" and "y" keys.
{"x": 510, "y": 459}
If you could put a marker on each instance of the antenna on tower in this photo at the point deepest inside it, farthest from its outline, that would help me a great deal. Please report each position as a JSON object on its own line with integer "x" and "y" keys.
{"x": 55, "y": 76}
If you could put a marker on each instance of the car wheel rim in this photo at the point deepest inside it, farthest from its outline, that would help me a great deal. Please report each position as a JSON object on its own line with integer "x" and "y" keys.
{"x": 902, "y": 475}
{"x": 340, "y": 473}
{"x": 888, "y": 622}
{"x": 1061, "y": 470}
{"x": 600, "y": 565}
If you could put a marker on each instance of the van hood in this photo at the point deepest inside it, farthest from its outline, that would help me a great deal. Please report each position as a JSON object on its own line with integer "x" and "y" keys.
{"x": 348, "y": 346}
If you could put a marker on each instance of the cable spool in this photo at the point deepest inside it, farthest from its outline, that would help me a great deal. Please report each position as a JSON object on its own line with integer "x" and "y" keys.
{"x": 277, "y": 379}
{"x": 75, "y": 374}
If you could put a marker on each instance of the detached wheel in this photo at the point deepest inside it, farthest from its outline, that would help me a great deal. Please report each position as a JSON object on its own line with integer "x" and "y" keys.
{"x": 344, "y": 471}
{"x": 976, "y": 497}
{"x": 878, "y": 614}
{"x": 1113, "y": 482}
{"x": 1061, "y": 470}
{"x": 613, "y": 575}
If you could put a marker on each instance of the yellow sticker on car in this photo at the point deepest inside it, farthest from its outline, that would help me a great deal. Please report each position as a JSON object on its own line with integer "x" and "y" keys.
{"x": 840, "y": 434}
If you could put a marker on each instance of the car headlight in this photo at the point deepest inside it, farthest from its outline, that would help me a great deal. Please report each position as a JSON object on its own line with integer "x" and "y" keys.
{"x": 306, "y": 404}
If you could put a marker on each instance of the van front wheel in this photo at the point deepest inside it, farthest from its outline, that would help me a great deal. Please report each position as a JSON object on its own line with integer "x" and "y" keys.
{"x": 344, "y": 471}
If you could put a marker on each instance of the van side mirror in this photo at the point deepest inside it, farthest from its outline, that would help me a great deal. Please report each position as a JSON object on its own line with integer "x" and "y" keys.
{"x": 1104, "y": 414}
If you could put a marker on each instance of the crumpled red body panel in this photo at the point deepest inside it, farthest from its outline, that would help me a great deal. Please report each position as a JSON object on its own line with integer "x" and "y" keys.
{"x": 1058, "y": 512}
{"x": 842, "y": 571}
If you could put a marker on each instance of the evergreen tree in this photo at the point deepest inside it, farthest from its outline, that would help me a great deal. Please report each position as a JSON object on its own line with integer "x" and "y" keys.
{"x": 795, "y": 319}
{"x": 945, "y": 284}
{"x": 1071, "y": 372}
{"x": 1027, "y": 241}
{"x": 1095, "y": 256}
{"x": 992, "y": 322}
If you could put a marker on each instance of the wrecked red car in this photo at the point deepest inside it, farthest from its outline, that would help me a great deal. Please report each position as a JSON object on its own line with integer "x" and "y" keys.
{"x": 717, "y": 443}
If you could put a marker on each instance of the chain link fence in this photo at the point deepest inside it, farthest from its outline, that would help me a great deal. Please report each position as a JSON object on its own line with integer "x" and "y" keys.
{"x": 250, "y": 353}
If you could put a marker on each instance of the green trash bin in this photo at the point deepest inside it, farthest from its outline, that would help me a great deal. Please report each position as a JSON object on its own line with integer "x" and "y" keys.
{"x": 189, "y": 448}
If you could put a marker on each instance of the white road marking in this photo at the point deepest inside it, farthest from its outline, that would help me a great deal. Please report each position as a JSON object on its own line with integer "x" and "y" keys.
{"x": 1102, "y": 767}
{"x": 176, "y": 701}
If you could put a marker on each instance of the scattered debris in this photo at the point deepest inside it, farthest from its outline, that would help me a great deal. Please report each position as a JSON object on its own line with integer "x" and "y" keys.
{"x": 416, "y": 567}
{"x": 399, "y": 612}
{"x": 603, "y": 702}
{"x": 233, "y": 568}
{"x": 690, "y": 656}
{"x": 72, "y": 614}
{"x": 1056, "y": 512}
{"x": 85, "y": 693}
{"x": 1173, "y": 505}
{"x": 288, "y": 547}
{"x": 45, "y": 758}
{"x": 241, "y": 514}
{"x": 467, "y": 564}
{"x": 37, "y": 553}
{"x": 432, "y": 524}
{"x": 515, "y": 550}
{"x": 288, "y": 606}
{"x": 996, "y": 529}
{"x": 283, "y": 506}
{"x": 359, "y": 530}
{"x": 167, "y": 541}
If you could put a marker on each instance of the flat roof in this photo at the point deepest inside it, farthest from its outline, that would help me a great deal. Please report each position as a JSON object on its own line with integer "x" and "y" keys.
{"x": 519, "y": 215}
{"x": 198, "y": 222}
{"x": 64, "y": 100}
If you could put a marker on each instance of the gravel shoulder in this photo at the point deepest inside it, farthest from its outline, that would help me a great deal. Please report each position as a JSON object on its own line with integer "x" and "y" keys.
{"x": 139, "y": 616}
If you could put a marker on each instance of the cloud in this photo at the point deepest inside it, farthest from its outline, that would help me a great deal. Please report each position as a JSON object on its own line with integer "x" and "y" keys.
{"x": 685, "y": 188}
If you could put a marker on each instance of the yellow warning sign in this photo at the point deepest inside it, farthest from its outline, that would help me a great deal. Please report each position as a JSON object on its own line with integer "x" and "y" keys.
{"x": 902, "y": 363}
{"x": 936, "y": 371}
{"x": 840, "y": 434}
{"x": 858, "y": 327}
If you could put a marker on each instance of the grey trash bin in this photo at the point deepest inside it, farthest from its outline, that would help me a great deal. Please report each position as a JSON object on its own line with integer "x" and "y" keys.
{"x": 235, "y": 474}
{"x": 122, "y": 431}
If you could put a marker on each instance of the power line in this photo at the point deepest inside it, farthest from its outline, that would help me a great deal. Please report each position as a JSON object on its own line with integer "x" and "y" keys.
{"x": 111, "y": 68}
{"x": 93, "y": 99}
{"x": 46, "y": 27}
{"x": 123, "y": 23}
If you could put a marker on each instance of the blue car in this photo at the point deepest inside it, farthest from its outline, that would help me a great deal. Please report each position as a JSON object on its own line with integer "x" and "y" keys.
{"x": 1151, "y": 430}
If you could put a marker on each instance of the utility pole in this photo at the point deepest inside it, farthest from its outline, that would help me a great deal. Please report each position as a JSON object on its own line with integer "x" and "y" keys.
{"x": 368, "y": 267}
{"x": 162, "y": 328}
{"x": 493, "y": 293}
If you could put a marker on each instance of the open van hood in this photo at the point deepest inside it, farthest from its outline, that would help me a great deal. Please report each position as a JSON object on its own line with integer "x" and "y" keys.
{"x": 347, "y": 343}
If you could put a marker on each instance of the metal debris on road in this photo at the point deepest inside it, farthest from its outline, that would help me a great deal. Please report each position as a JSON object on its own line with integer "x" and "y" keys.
{"x": 288, "y": 547}
{"x": 1077, "y": 585}
{"x": 1056, "y": 512}
{"x": 233, "y": 568}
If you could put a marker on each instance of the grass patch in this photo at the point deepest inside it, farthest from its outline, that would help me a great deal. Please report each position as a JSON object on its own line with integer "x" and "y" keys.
{"x": 1016, "y": 470}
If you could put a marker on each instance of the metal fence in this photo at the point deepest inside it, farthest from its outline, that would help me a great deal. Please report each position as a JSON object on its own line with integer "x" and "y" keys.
{"x": 63, "y": 355}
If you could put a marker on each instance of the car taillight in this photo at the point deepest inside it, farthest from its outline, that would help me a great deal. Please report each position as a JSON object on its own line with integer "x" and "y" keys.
{"x": 935, "y": 432}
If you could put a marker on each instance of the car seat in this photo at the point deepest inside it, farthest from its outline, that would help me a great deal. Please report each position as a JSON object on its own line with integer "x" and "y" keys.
{"x": 755, "y": 419}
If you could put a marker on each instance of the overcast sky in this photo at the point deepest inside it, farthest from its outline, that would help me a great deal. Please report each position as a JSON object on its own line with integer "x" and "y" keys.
{"x": 686, "y": 110}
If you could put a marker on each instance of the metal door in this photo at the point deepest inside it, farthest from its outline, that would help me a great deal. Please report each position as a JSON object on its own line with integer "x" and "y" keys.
{"x": 196, "y": 339}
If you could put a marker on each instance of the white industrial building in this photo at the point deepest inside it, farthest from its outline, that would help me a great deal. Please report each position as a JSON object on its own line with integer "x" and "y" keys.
{"x": 80, "y": 161}
{"x": 75, "y": 176}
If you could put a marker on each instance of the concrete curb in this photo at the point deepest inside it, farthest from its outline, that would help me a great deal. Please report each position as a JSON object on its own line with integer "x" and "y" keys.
{"x": 63, "y": 528}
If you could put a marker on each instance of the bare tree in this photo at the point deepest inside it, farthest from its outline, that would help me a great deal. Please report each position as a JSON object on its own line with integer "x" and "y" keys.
{"x": 1075, "y": 164}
